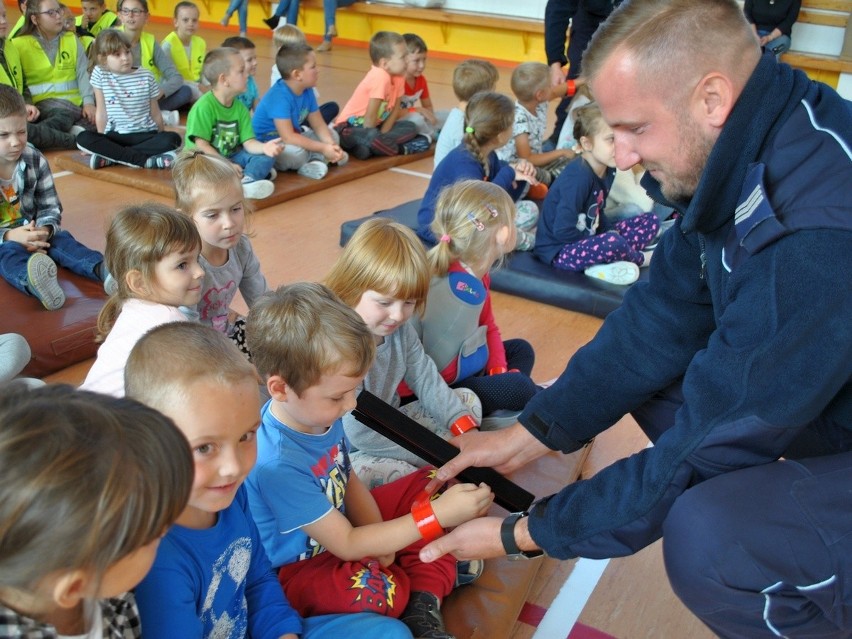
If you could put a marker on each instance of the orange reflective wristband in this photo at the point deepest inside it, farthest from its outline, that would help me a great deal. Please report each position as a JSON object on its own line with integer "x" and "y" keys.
{"x": 570, "y": 88}
{"x": 462, "y": 425}
{"x": 424, "y": 516}
{"x": 498, "y": 370}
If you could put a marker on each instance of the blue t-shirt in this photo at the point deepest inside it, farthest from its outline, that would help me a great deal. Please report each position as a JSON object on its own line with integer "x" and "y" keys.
{"x": 216, "y": 582}
{"x": 249, "y": 97}
{"x": 573, "y": 209}
{"x": 297, "y": 480}
{"x": 280, "y": 103}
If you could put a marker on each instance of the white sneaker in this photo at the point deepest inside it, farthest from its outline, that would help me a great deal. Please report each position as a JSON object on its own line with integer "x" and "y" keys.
{"x": 171, "y": 118}
{"x": 615, "y": 273}
{"x": 42, "y": 282}
{"x": 315, "y": 170}
{"x": 257, "y": 189}
{"x": 76, "y": 130}
{"x": 272, "y": 175}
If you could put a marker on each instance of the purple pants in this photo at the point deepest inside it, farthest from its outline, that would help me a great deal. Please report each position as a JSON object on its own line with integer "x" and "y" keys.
{"x": 625, "y": 242}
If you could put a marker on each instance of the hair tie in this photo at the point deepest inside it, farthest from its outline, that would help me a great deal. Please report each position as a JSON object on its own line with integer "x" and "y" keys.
{"x": 469, "y": 129}
{"x": 446, "y": 238}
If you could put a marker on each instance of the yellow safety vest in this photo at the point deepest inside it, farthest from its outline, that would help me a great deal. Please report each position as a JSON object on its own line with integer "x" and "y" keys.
{"x": 146, "y": 53}
{"x": 45, "y": 80}
{"x": 107, "y": 19}
{"x": 190, "y": 69}
{"x": 13, "y": 62}
{"x": 18, "y": 26}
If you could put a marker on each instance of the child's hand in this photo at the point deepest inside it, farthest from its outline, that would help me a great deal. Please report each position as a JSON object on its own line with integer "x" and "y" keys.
{"x": 386, "y": 560}
{"x": 238, "y": 168}
{"x": 30, "y": 236}
{"x": 273, "y": 147}
{"x": 332, "y": 152}
{"x": 461, "y": 503}
{"x": 89, "y": 112}
{"x": 429, "y": 115}
{"x": 524, "y": 171}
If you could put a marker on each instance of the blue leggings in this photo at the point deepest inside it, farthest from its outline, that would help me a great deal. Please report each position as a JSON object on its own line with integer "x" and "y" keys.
{"x": 290, "y": 7}
{"x": 625, "y": 242}
{"x": 241, "y": 7}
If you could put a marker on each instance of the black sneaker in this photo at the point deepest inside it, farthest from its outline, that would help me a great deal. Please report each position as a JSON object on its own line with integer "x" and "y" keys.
{"x": 423, "y": 617}
{"x": 272, "y": 22}
{"x": 419, "y": 144}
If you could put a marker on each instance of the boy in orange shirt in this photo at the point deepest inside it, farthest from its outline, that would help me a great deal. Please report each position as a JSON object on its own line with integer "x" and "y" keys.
{"x": 369, "y": 123}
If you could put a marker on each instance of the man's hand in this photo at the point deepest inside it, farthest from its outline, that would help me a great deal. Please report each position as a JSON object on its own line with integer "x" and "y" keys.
{"x": 476, "y": 539}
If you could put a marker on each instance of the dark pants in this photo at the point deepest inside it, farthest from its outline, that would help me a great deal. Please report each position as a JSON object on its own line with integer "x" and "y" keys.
{"x": 180, "y": 98}
{"x": 362, "y": 142}
{"x": 52, "y": 131}
{"x": 507, "y": 391}
{"x": 764, "y": 551}
{"x": 583, "y": 26}
{"x": 129, "y": 148}
{"x": 64, "y": 250}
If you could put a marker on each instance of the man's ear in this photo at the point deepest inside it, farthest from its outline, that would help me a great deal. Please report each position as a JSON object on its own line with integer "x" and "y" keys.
{"x": 714, "y": 98}
{"x": 278, "y": 388}
{"x": 71, "y": 588}
{"x": 136, "y": 282}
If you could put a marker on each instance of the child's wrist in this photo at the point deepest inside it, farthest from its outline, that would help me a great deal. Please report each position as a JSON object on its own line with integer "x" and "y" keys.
{"x": 462, "y": 425}
{"x": 424, "y": 516}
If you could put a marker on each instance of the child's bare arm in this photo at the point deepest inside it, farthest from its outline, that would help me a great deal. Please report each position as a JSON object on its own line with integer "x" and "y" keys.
{"x": 428, "y": 110}
{"x": 157, "y": 115}
{"x": 334, "y": 531}
{"x": 387, "y": 125}
{"x": 522, "y": 147}
{"x": 100, "y": 110}
{"x": 270, "y": 148}
{"x": 361, "y": 507}
{"x": 371, "y": 115}
{"x": 209, "y": 149}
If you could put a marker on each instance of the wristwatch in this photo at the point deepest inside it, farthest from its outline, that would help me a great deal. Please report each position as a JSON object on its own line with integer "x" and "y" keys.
{"x": 507, "y": 536}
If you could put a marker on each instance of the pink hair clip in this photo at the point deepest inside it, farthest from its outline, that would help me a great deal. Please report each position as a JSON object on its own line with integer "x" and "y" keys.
{"x": 477, "y": 223}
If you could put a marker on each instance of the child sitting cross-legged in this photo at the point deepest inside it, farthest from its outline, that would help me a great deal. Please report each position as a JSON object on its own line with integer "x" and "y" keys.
{"x": 130, "y": 125}
{"x": 31, "y": 242}
{"x": 211, "y": 578}
{"x": 340, "y": 547}
{"x": 88, "y": 486}
{"x": 248, "y": 50}
{"x": 219, "y": 124}
{"x": 289, "y": 111}
{"x": 369, "y": 123}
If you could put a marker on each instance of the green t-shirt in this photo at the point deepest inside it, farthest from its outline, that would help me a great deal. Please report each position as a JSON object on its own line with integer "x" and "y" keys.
{"x": 226, "y": 128}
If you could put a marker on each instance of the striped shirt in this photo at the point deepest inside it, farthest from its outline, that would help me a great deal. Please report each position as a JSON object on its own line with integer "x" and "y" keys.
{"x": 127, "y": 98}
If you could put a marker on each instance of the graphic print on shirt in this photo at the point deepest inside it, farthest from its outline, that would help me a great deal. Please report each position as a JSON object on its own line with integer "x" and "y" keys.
{"x": 215, "y": 304}
{"x": 332, "y": 474}
{"x": 10, "y": 206}
{"x": 589, "y": 222}
{"x": 226, "y": 137}
{"x": 410, "y": 101}
{"x": 223, "y": 612}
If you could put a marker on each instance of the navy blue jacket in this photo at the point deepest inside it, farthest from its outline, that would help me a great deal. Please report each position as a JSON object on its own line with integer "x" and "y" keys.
{"x": 763, "y": 348}
{"x": 460, "y": 164}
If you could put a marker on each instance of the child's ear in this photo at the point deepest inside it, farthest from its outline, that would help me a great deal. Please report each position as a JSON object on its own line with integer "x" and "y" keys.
{"x": 136, "y": 282}
{"x": 71, "y": 588}
{"x": 504, "y": 233}
{"x": 277, "y": 387}
{"x": 586, "y": 143}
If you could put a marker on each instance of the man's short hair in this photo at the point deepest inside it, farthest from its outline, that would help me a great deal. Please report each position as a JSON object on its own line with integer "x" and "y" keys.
{"x": 382, "y": 44}
{"x": 170, "y": 358}
{"x": 11, "y": 102}
{"x": 218, "y": 62}
{"x": 472, "y": 76}
{"x": 303, "y": 331}
{"x": 290, "y": 59}
{"x": 653, "y": 31}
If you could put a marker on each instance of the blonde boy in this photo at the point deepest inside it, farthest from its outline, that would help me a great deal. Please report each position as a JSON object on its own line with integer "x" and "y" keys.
{"x": 289, "y": 111}
{"x": 369, "y": 122}
{"x": 186, "y": 49}
{"x": 219, "y": 124}
{"x": 334, "y": 540}
{"x": 532, "y": 87}
{"x": 211, "y": 577}
{"x": 287, "y": 35}
{"x": 469, "y": 78}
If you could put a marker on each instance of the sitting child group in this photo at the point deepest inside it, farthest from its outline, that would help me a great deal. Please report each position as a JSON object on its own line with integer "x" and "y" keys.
{"x": 203, "y": 511}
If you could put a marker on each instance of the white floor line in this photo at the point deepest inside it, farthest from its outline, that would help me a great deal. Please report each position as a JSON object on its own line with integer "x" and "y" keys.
{"x": 407, "y": 172}
{"x": 566, "y": 607}
{"x": 62, "y": 174}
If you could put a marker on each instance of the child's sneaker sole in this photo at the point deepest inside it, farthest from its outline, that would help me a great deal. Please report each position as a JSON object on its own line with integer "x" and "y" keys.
{"x": 41, "y": 277}
{"x": 622, "y": 273}
{"x": 315, "y": 170}
{"x": 258, "y": 189}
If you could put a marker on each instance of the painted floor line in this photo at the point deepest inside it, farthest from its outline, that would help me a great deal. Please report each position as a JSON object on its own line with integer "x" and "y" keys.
{"x": 62, "y": 174}
{"x": 409, "y": 172}
{"x": 566, "y": 607}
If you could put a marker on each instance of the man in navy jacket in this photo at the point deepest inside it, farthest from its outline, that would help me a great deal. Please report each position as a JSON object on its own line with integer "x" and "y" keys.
{"x": 737, "y": 351}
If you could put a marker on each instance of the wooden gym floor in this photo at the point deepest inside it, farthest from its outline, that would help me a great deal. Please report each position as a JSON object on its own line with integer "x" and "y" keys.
{"x": 627, "y": 598}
